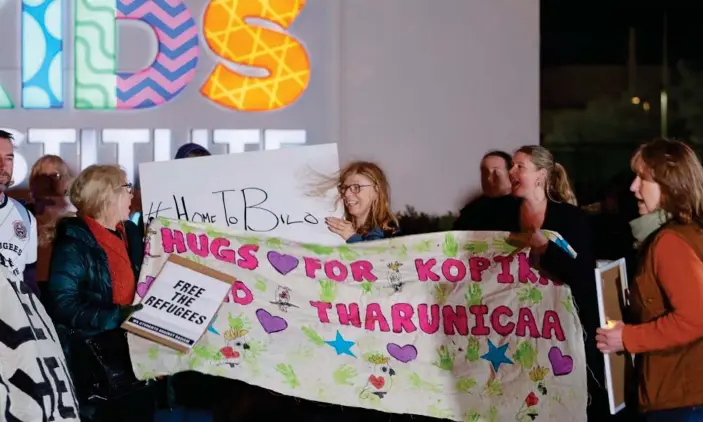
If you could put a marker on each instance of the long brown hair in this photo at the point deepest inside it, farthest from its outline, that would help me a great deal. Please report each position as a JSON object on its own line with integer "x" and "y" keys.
{"x": 675, "y": 167}
{"x": 558, "y": 188}
{"x": 381, "y": 214}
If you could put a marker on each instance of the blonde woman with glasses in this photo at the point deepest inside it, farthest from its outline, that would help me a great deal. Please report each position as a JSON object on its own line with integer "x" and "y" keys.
{"x": 95, "y": 263}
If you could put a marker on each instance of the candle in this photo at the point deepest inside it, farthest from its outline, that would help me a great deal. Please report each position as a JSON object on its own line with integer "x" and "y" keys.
{"x": 610, "y": 323}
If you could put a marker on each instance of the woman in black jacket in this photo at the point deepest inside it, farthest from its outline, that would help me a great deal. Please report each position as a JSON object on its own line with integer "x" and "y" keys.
{"x": 543, "y": 200}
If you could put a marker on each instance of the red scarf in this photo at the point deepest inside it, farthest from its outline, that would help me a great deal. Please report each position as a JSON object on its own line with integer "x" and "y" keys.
{"x": 121, "y": 274}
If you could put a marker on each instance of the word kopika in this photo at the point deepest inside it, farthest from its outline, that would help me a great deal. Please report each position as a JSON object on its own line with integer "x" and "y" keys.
{"x": 249, "y": 211}
{"x": 226, "y": 27}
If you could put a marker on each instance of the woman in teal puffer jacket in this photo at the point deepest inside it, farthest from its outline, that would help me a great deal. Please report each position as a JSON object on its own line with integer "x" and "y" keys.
{"x": 95, "y": 262}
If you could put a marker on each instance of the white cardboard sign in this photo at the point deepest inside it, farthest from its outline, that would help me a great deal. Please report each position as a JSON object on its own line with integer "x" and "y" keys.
{"x": 180, "y": 304}
{"x": 263, "y": 192}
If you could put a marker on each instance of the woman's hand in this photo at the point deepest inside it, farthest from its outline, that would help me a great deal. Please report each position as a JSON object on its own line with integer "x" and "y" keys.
{"x": 538, "y": 243}
{"x": 609, "y": 340}
{"x": 345, "y": 229}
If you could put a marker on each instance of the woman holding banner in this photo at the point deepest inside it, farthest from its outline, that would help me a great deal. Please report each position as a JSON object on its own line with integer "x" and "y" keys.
{"x": 667, "y": 295}
{"x": 544, "y": 200}
{"x": 365, "y": 192}
{"x": 95, "y": 261}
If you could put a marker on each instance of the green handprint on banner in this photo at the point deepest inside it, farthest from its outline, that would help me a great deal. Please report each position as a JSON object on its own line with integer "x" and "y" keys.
{"x": 525, "y": 355}
{"x": 476, "y": 246}
{"x": 214, "y": 233}
{"x": 568, "y": 303}
{"x": 146, "y": 373}
{"x": 288, "y": 373}
{"x": 450, "y": 246}
{"x": 422, "y": 246}
{"x": 530, "y": 294}
{"x": 164, "y": 221}
{"x": 474, "y": 294}
{"x": 465, "y": 384}
{"x": 343, "y": 374}
{"x": 186, "y": 228}
{"x": 492, "y": 414}
{"x": 375, "y": 250}
{"x": 247, "y": 240}
{"x": 501, "y": 244}
{"x": 472, "y": 416}
{"x": 399, "y": 252}
{"x": 347, "y": 254}
{"x": 436, "y": 410}
{"x": 328, "y": 290}
{"x": 473, "y": 349}
{"x": 194, "y": 259}
{"x": 445, "y": 358}
{"x": 260, "y": 283}
{"x": 493, "y": 388}
{"x": 441, "y": 292}
{"x": 274, "y": 243}
{"x": 313, "y": 336}
{"x": 366, "y": 287}
{"x": 153, "y": 352}
{"x": 318, "y": 249}
{"x": 417, "y": 383}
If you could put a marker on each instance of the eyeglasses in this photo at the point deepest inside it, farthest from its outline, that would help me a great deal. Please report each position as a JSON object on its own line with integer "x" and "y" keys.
{"x": 129, "y": 187}
{"x": 355, "y": 188}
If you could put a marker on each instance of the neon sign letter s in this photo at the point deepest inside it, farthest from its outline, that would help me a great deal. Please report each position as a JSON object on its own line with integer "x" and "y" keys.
{"x": 99, "y": 86}
{"x": 231, "y": 37}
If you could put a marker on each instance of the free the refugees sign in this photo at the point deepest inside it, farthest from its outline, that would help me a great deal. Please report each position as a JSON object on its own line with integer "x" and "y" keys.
{"x": 179, "y": 303}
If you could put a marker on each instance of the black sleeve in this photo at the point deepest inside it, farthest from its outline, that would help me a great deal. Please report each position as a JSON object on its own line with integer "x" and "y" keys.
{"x": 575, "y": 229}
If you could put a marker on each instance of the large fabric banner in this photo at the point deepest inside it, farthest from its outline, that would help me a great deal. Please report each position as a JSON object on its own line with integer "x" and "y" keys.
{"x": 452, "y": 325}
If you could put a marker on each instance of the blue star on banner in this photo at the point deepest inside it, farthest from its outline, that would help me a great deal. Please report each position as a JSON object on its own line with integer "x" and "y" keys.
{"x": 496, "y": 355}
{"x": 341, "y": 346}
{"x": 211, "y": 327}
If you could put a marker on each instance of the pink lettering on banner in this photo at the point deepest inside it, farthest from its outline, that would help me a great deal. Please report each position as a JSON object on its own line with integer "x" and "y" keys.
{"x": 349, "y": 315}
{"x": 176, "y": 58}
{"x": 240, "y": 294}
{"x": 424, "y": 270}
{"x": 429, "y": 318}
{"x": 362, "y": 271}
{"x": 175, "y": 241}
{"x": 525, "y": 273}
{"x": 504, "y": 276}
{"x": 453, "y": 270}
{"x": 401, "y": 315}
{"x": 477, "y": 265}
{"x": 338, "y": 271}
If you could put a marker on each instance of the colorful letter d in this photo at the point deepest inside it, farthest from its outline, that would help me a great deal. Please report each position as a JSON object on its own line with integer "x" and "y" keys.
{"x": 99, "y": 86}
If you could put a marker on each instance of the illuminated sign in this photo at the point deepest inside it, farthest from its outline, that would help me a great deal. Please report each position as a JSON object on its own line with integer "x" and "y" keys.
{"x": 237, "y": 140}
{"x": 230, "y": 31}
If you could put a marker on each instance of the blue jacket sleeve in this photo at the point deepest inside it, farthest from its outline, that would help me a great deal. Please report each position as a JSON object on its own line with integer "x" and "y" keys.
{"x": 374, "y": 234}
{"x": 69, "y": 267}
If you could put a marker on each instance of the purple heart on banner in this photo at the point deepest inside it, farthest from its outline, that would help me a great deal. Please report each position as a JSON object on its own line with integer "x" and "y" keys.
{"x": 271, "y": 324}
{"x": 404, "y": 354}
{"x": 281, "y": 262}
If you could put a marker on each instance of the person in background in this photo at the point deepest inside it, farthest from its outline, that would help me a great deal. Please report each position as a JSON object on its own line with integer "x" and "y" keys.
{"x": 18, "y": 227}
{"x": 194, "y": 397}
{"x": 496, "y": 187}
{"x": 365, "y": 192}
{"x": 666, "y": 298}
{"x": 545, "y": 201}
{"x": 95, "y": 262}
{"x": 48, "y": 185}
{"x": 191, "y": 150}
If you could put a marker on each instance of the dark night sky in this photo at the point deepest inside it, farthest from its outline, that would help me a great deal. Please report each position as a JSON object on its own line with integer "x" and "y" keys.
{"x": 596, "y": 31}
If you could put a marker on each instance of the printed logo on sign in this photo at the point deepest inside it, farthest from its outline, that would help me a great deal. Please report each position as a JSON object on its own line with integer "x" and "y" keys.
{"x": 228, "y": 32}
{"x": 20, "y": 229}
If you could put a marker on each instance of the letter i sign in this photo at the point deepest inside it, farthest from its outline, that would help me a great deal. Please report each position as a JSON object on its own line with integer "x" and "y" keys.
{"x": 97, "y": 85}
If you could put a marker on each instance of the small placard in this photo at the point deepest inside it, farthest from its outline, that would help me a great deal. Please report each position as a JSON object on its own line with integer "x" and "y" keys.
{"x": 180, "y": 304}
